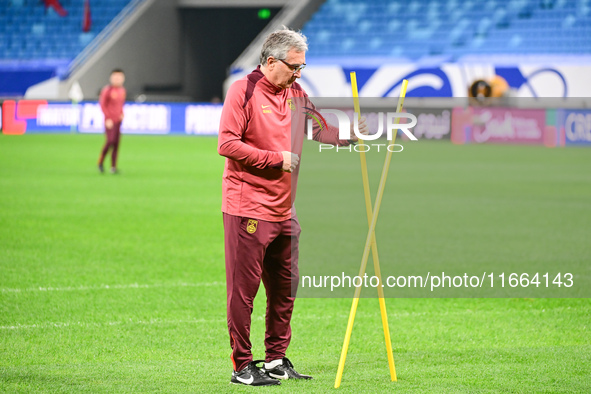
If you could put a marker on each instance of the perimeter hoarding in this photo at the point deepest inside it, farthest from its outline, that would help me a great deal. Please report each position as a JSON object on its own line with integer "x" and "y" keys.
{"x": 499, "y": 125}
{"x": 574, "y": 126}
{"x": 40, "y": 116}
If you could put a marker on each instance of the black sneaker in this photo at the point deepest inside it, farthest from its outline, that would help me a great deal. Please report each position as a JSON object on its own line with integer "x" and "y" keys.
{"x": 101, "y": 168}
{"x": 252, "y": 375}
{"x": 285, "y": 371}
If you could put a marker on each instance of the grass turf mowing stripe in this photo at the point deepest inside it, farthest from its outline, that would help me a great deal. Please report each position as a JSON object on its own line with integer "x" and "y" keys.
{"x": 62, "y": 225}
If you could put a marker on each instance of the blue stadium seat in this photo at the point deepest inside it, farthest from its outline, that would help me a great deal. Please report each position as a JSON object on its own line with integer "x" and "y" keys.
{"x": 30, "y": 32}
{"x": 416, "y": 28}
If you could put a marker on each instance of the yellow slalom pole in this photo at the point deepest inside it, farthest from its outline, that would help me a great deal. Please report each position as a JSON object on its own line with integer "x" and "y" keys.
{"x": 368, "y": 243}
{"x": 374, "y": 247}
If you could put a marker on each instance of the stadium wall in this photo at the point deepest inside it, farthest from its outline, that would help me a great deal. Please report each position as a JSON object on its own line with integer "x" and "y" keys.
{"x": 143, "y": 50}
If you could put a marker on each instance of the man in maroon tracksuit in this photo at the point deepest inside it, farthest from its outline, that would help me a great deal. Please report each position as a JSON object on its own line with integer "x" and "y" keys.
{"x": 261, "y": 230}
{"x": 112, "y": 100}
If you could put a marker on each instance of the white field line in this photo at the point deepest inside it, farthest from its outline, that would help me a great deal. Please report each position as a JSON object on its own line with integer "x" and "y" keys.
{"x": 142, "y": 322}
{"x": 109, "y": 287}
{"x": 111, "y": 323}
{"x": 65, "y": 325}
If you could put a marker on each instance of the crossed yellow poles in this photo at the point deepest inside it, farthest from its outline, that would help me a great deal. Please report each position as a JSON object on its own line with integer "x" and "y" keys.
{"x": 370, "y": 242}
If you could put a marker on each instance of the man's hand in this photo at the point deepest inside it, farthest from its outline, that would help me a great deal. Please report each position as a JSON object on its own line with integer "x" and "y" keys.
{"x": 109, "y": 123}
{"x": 362, "y": 129}
{"x": 290, "y": 161}
{"x": 122, "y": 116}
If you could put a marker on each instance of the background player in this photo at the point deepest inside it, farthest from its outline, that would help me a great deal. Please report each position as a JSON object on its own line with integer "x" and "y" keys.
{"x": 112, "y": 100}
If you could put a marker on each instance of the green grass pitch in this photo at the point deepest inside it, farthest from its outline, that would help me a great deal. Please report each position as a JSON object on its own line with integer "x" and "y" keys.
{"x": 116, "y": 283}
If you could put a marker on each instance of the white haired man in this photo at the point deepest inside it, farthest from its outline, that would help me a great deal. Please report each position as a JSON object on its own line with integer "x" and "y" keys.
{"x": 261, "y": 230}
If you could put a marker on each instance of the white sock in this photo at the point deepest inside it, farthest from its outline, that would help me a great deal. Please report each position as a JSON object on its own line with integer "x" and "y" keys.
{"x": 273, "y": 364}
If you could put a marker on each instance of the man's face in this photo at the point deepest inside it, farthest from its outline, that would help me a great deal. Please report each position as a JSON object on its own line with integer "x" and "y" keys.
{"x": 117, "y": 79}
{"x": 280, "y": 73}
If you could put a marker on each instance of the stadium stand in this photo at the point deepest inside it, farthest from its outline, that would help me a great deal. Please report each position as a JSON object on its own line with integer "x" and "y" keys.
{"x": 37, "y": 44}
{"x": 450, "y": 28}
{"x": 31, "y": 32}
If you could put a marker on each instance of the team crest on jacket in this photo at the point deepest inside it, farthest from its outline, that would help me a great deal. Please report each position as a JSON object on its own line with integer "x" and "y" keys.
{"x": 251, "y": 226}
{"x": 291, "y": 105}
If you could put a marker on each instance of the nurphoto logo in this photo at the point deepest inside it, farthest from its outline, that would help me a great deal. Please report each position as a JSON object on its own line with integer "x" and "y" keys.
{"x": 391, "y": 125}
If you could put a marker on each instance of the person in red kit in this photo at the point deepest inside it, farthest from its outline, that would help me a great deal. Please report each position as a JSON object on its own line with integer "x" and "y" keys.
{"x": 261, "y": 230}
{"x": 56, "y": 5}
{"x": 112, "y": 99}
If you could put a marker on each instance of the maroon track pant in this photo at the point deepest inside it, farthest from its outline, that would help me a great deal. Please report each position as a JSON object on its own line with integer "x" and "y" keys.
{"x": 113, "y": 136}
{"x": 255, "y": 250}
